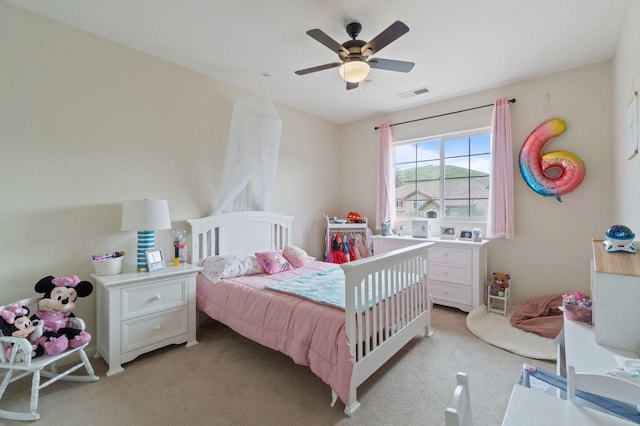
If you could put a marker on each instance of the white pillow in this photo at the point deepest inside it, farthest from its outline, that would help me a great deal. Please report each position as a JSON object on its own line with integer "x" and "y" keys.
{"x": 217, "y": 267}
{"x": 296, "y": 256}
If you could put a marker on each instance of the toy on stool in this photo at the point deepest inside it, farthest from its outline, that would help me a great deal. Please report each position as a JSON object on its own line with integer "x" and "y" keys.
{"x": 56, "y": 306}
{"x": 499, "y": 283}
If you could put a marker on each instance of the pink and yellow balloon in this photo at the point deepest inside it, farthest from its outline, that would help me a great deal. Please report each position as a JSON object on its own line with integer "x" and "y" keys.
{"x": 552, "y": 174}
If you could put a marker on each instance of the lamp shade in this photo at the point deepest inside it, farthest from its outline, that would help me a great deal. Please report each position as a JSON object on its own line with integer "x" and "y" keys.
{"x": 145, "y": 215}
{"x": 354, "y": 71}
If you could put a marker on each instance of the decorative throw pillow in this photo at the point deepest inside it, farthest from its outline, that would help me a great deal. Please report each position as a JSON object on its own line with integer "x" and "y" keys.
{"x": 296, "y": 256}
{"x": 217, "y": 267}
{"x": 273, "y": 262}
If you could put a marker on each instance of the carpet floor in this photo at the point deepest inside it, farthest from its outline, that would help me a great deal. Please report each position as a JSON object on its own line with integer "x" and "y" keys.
{"x": 229, "y": 380}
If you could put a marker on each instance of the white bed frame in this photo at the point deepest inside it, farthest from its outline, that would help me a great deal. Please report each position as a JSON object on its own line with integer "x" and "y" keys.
{"x": 375, "y": 333}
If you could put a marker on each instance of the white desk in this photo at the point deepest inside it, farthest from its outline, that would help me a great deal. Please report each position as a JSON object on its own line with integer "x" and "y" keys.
{"x": 587, "y": 356}
{"x": 528, "y": 407}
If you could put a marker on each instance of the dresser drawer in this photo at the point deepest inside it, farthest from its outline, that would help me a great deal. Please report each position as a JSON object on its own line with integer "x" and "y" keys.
{"x": 149, "y": 298}
{"x": 449, "y": 273}
{"x": 446, "y": 292}
{"x": 145, "y": 331}
{"x": 452, "y": 256}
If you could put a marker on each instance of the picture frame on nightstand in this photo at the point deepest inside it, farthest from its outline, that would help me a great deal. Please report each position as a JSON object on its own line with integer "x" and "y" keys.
{"x": 155, "y": 260}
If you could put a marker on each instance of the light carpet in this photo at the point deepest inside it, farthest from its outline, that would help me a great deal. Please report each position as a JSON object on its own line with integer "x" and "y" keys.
{"x": 228, "y": 380}
{"x": 497, "y": 330}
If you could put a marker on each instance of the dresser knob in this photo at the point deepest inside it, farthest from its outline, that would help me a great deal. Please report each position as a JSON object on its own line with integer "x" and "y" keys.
{"x": 156, "y": 328}
{"x": 155, "y": 298}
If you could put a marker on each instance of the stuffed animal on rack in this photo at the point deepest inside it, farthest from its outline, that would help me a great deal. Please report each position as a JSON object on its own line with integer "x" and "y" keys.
{"x": 56, "y": 306}
{"x": 499, "y": 283}
{"x": 15, "y": 322}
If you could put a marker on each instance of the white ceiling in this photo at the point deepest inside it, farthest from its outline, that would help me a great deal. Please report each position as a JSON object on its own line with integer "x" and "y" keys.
{"x": 458, "y": 46}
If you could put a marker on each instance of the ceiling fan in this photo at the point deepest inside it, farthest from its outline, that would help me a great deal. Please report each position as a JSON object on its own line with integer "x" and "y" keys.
{"x": 355, "y": 55}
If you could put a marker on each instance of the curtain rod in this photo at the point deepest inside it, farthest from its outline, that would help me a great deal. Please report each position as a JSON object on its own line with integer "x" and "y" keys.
{"x": 511, "y": 101}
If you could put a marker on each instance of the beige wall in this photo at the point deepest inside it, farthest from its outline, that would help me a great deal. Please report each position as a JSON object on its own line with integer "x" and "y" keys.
{"x": 86, "y": 123}
{"x": 626, "y": 79}
{"x": 551, "y": 251}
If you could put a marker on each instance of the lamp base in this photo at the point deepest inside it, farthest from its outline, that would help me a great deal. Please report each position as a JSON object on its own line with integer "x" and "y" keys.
{"x": 146, "y": 241}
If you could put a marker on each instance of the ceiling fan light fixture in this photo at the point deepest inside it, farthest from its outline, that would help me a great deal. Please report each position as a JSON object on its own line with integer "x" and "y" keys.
{"x": 354, "y": 71}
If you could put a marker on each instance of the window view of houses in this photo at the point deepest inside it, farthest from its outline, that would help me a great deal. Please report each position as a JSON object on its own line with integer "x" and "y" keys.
{"x": 443, "y": 177}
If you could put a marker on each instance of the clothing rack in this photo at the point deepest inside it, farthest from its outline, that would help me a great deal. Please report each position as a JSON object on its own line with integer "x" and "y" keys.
{"x": 511, "y": 101}
{"x": 349, "y": 230}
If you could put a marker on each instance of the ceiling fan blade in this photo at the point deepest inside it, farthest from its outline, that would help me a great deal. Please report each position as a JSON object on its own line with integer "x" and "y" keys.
{"x": 390, "y": 65}
{"x": 318, "y": 68}
{"x": 351, "y": 85}
{"x": 323, "y": 38}
{"x": 393, "y": 32}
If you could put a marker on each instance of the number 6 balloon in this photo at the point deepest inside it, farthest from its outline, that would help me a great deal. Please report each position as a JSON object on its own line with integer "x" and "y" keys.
{"x": 554, "y": 173}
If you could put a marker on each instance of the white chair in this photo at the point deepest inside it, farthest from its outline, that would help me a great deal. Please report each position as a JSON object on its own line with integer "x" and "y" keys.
{"x": 601, "y": 392}
{"x": 459, "y": 411}
{"x": 602, "y": 385}
{"x": 21, "y": 366}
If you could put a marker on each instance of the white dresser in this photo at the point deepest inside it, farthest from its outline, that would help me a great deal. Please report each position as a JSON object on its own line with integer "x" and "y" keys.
{"x": 615, "y": 291}
{"x": 457, "y": 269}
{"x": 139, "y": 312}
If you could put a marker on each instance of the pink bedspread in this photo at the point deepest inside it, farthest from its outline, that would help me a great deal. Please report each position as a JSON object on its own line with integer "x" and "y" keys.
{"x": 310, "y": 333}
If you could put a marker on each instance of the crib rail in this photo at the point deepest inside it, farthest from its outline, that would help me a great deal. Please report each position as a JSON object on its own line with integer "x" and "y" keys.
{"x": 386, "y": 305}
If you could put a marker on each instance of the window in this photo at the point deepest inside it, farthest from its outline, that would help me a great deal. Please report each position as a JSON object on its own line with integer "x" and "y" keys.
{"x": 443, "y": 177}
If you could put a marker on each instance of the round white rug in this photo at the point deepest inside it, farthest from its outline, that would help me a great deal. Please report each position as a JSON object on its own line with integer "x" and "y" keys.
{"x": 497, "y": 330}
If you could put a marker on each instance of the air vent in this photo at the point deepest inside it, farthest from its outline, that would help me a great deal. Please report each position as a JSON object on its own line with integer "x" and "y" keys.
{"x": 414, "y": 92}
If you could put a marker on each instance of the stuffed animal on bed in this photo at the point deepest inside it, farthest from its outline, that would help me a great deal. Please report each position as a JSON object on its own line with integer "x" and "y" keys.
{"x": 56, "y": 306}
{"x": 15, "y": 322}
{"x": 499, "y": 283}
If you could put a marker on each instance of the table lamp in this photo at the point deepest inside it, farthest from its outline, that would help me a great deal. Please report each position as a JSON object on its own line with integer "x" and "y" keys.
{"x": 145, "y": 217}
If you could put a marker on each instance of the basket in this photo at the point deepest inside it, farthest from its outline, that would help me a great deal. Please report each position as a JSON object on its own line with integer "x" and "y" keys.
{"x": 109, "y": 266}
{"x": 577, "y": 312}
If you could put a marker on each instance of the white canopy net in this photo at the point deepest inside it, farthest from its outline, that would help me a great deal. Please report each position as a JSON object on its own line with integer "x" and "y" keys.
{"x": 250, "y": 166}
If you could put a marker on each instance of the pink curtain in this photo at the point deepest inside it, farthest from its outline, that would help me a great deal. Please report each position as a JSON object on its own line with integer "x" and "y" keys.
{"x": 385, "y": 205}
{"x": 500, "y": 220}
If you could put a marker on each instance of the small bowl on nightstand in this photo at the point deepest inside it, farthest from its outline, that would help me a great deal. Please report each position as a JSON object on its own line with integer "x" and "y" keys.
{"x": 108, "y": 266}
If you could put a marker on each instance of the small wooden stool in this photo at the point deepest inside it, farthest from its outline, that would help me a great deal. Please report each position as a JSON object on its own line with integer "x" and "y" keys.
{"x": 499, "y": 304}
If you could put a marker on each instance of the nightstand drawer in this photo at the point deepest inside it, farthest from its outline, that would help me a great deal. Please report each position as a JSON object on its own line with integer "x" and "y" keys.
{"x": 147, "y": 330}
{"x": 453, "y": 256}
{"x": 450, "y": 292}
{"x": 448, "y": 273}
{"x": 149, "y": 298}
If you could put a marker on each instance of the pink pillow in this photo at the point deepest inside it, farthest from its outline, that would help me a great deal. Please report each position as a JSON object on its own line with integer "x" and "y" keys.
{"x": 295, "y": 255}
{"x": 273, "y": 262}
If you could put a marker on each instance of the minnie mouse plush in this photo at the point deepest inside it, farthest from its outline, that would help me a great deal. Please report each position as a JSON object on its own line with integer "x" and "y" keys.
{"x": 57, "y": 303}
{"x": 15, "y": 322}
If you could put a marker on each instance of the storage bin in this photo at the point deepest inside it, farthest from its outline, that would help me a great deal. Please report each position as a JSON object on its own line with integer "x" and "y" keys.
{"x": 108, "y": 266}
{"x": 577, "y": 312}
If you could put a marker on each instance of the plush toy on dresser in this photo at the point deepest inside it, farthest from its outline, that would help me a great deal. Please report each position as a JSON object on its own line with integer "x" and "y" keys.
{"x": 55, "y": 308}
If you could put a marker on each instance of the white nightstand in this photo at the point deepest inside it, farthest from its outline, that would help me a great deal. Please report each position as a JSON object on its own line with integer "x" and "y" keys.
{"x": 139, "y": 312}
